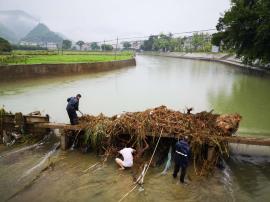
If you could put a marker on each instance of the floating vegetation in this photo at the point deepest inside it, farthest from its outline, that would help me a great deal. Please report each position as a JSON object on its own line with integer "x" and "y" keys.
{"x": 140, "y": 130}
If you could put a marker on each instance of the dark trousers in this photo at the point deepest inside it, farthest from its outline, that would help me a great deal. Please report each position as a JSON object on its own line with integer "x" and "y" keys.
{"x": 72, "y": 116}
{"x": 183, "y": 171}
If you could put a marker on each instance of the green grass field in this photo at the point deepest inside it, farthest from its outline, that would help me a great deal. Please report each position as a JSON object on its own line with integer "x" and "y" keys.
{"x": 66, "y": 52}
{"x": 52, "y": 57}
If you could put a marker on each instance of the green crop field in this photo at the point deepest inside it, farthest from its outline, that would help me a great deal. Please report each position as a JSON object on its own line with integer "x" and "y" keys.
{"x": 52, "y": 57}
{"x": 66, "y": 52}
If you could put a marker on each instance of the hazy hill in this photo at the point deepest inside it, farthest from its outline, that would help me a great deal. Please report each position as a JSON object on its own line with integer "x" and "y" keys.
{"x": 15, "y": 24}
{"x": 61, "y": 35}
{"x": 41, "y": 33}
{"x": 7, "y": 34}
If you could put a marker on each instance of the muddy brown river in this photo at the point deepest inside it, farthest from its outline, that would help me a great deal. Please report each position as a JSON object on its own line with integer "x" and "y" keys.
{"x": 43, "y": 173}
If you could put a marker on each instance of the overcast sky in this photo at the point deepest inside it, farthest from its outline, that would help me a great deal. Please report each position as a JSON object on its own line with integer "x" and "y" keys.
{"x": 96, "y": 20}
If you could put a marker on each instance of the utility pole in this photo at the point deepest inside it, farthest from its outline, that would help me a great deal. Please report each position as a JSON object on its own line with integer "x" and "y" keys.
{"x": 116, "y": 48}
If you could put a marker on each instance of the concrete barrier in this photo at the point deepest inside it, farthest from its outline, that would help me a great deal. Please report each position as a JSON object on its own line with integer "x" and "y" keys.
{"x": 249, "y": 150}
{"x": 224, "y": 58}
{"x": 11, "y": 72}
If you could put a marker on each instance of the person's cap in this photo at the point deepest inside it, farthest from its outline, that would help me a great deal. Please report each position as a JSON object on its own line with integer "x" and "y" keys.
{"x": 79, "y": 95}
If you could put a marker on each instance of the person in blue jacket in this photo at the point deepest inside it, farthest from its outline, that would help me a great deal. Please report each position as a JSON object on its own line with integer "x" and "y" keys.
{"x": 182, "y": 155}
{"x": 72, "y": 107}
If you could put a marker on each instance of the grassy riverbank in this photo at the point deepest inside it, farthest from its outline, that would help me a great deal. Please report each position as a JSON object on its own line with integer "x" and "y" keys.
{"x": 55, "y": 57}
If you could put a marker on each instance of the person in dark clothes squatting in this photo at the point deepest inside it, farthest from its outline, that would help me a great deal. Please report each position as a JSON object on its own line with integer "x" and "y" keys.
{"x": 72, "y": 107}
{"x": 182, "y": 155}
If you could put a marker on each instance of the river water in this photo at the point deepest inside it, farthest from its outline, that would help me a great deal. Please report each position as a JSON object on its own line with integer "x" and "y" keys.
{"x": 42, "y": 173}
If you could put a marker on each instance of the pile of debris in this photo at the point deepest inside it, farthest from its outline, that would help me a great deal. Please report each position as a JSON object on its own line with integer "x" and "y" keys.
{"x": 140, "y": 129}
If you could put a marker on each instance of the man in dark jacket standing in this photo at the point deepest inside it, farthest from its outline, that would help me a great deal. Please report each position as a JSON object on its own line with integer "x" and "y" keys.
{"x": 182, "y": 155}
{"x": 72, "y": 107}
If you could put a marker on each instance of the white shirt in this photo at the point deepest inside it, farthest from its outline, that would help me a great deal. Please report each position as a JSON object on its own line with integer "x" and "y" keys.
{"x": 127, "y": 155}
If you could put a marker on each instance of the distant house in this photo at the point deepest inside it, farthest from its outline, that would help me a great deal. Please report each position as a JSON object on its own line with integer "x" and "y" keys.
{"x": 119, "y": 46}
{"x": 86, "y": 47}
{"x": 48, "y": 45}
{"x": 136, "y": 45}
{"x": 215, "y": 49}
{"x": 75, "y": 46}
{"x": 51, "y": 46}
{"x": 26, "y": 43}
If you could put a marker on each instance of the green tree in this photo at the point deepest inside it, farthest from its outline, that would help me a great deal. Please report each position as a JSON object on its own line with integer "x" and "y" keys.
{"x": 245, "y": 28}
{"x": 5, "y": 45}
{"x": 174, "y": 44}
{"x": 179, "y": 44}
{"x": 106, "y": 47}
{"x": 80, "y": 44}
{"x": 217, "y": 38}
{"x": 166, "y": 42}
{"x": 126, "y": 45}
{"x": 197, "y": 41}
{"x": 163, "y": 42}
{"x": 66, "y": 44}
{"x": 148, "y": 45}
{"x": 94, "y": 46}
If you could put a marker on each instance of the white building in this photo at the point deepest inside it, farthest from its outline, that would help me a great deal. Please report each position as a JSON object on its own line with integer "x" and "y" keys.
{"x": 48, "y": 45}
{"x": 86, "y": 47}
{"x": 215, "y": 49}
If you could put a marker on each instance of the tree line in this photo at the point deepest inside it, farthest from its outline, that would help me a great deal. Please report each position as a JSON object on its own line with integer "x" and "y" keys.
{"x": 67, "y": 44}
{"x": 198, "y": 42}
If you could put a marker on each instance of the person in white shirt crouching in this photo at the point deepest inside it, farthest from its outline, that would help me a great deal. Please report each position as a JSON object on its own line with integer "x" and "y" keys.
{"x": 128, "y": 158}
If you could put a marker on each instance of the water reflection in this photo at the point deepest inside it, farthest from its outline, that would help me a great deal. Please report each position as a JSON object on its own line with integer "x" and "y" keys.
{"x": 248, "y": 96}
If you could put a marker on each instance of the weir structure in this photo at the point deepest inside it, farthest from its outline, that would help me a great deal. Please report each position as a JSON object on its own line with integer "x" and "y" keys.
{"x": 210, "y": 136}
{"x": 234, "y": 139}
{"x": 41, "y": 125}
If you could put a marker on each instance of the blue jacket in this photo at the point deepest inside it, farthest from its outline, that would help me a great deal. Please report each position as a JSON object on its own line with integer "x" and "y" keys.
{"x": 182, "y": 153}
{"x": 73, "y": 104}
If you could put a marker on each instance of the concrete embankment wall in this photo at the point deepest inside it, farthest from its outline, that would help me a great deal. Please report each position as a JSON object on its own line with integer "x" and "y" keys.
{"x": 10, "y": 72}
{"x": 249, "y": 150}
{"x": 224, "y": 58}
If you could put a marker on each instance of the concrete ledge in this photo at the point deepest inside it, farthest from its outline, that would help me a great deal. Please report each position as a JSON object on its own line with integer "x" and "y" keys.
{"x": 212, "y": 57}
{"x": 10, "y": 72}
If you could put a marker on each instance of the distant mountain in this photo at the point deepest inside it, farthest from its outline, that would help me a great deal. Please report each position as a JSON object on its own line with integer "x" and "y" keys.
{"x": 15, "y": 24}
{"x": 7, "y": 34}
{"x": 61, "y": 35}
{"x": 42, "y": 34}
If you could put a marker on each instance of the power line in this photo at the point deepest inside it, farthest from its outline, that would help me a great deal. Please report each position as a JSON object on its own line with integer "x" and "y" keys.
{"x": 205, "y": 30}
{"x": 144, "y": 37}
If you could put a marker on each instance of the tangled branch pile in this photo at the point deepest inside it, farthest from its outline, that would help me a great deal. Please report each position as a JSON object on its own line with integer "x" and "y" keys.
{"x": 139, "y": 129}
